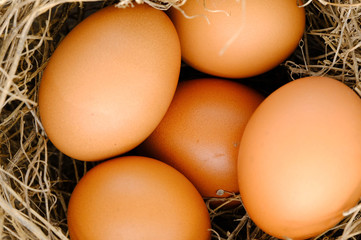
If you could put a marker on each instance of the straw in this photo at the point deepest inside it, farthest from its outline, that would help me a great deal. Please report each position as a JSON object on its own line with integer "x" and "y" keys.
{"x": 36, "y": 180}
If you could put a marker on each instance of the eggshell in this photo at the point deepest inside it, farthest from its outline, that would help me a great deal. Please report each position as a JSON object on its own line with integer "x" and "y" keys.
{"x": 201, "y": 131}
{"x": 136, "y": 198}
{"x": 300, "y": 158}
{"x": 237, "y": 39}
{"x": 109, "y": 82}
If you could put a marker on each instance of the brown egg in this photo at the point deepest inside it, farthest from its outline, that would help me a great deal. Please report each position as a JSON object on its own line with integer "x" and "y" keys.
{"x": 201, "y": 131}
{"x": 136, "y": 198}
{"x": 110, "y": 82}
{"x": 300, "y": 158}
{"x": 237, "y": 39}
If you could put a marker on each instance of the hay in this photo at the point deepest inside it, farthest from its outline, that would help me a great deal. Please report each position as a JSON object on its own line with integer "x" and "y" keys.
{"x": 332, "y": 44}
{"x": 36, "y": 179}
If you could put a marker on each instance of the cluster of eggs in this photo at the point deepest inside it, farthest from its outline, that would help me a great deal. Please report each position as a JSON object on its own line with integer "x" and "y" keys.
{"x": 113, "y": 86}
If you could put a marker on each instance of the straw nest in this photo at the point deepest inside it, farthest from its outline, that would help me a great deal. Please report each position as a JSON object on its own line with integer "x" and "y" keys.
{"x": 36, "y": 179}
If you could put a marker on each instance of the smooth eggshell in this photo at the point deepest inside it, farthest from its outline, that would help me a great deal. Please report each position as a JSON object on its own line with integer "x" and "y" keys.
{"x": 136, "y": 198}
{"x": 300, "y": 158}
{"x": 237, "y": 39}
{"x": 109, "y": 82}
{"x": 201, "y": 131}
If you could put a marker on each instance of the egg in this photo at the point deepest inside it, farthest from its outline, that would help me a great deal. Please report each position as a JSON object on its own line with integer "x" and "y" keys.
{"x": 109, "y": 82}
{"x": 238, "y": 39}
{"x": 136, "y": 198}
{"x": 299, "y": 159}
{"x": 200, "y": 133}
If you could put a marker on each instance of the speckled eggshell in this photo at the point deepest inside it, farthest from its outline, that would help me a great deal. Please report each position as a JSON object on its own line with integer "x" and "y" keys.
{"x": 201, "y": 131}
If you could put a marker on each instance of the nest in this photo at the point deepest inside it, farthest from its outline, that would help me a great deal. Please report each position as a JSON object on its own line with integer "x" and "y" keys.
{"x": 36, "y": 180}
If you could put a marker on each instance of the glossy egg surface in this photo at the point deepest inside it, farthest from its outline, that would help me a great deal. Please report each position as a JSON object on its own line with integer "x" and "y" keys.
{"x": 237, "y": 39}
{"x": 201, "y": 131}
{"x": 300, "y": 158}
{"x": 136, "y": 198}
{"x": 109, "y": 82}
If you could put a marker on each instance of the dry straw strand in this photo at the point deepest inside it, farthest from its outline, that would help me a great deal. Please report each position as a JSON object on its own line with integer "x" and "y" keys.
{"x": 34, "y": 176}
{"x": 335, "y": 42}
